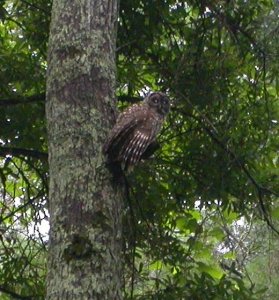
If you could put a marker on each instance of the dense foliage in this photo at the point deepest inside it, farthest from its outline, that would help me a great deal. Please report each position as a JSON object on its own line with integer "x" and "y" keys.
{"x": 194, "y": 210}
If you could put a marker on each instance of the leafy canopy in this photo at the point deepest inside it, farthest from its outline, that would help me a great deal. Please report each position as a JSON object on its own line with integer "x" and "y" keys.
{"x": 218, "y": 62}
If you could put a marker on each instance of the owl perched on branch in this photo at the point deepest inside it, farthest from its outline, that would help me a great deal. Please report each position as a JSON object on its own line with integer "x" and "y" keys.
{"x": 136, "y": 130}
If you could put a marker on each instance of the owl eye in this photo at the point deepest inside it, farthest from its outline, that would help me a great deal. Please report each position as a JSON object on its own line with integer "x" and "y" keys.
{"x": 166, "y": 101}
{"x": 155, "y": 100}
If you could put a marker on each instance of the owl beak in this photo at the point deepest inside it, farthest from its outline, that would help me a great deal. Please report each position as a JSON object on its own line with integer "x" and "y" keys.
{"x": 165, "y": 108}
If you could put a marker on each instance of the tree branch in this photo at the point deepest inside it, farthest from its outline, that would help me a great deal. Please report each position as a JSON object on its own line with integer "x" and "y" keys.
{"x": 41, "y": 98}
{"x": 13, "y": 294}
{"x": 212, "y": 132}
{"x": 233, "y": 27}
{"x": 23, "y": 100}
{"x": 21, "y": 207}
{"x": 260, "y": 189}
{"x": 35, "y": 6}
{"x": 18, "y": 152}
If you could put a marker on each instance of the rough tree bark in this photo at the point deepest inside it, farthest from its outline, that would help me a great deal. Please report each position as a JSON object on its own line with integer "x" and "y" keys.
{"x": 85, "y": 207}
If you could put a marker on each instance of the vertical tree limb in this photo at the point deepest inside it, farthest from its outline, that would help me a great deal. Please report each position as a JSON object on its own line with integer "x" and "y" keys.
{"x": 85, "y": 207}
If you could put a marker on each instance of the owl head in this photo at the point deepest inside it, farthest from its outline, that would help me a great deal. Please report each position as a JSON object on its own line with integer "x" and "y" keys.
{"x": 158, "y": 101}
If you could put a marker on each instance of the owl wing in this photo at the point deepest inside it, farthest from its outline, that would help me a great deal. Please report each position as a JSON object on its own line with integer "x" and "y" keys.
{"x": 135, "y": 146}
{"x": 144, "y": 133}
{"x": 124, "y": 127}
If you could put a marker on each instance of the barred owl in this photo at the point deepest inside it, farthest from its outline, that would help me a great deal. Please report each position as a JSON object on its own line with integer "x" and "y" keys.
{"x": 136, "y": 128}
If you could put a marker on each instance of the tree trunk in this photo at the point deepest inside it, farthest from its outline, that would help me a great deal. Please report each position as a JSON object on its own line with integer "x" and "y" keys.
{"x": 85, "y": 207}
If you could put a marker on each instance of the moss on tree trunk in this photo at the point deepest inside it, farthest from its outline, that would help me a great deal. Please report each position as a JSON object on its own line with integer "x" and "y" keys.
{"x": 85, "y": 208}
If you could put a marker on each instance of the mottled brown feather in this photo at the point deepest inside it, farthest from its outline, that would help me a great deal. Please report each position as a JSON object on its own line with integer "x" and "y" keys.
{"x": 135, "y": 129}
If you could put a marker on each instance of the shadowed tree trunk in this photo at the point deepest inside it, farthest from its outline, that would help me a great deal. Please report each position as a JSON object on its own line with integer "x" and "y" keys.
{"x": 85, "y": 208}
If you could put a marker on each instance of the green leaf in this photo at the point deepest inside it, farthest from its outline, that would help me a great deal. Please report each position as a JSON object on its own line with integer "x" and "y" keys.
{"x": 275, "y": 213}
{"x": 214, "y": 271}
{"x": 217, "y": 233}
{"x": 181, "y": 223}
{"x": 230, "y": 255}
{"x": 156, "y": 265}
{"x": 204, "y": 254}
